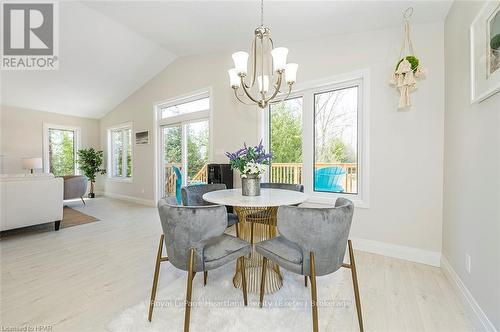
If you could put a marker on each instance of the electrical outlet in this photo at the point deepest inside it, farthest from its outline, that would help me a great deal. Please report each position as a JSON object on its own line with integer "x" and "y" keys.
{"x": 467, "y": 263}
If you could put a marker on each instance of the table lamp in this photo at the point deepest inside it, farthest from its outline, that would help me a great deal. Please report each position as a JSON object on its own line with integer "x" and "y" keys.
{"x": 32, "y": 163}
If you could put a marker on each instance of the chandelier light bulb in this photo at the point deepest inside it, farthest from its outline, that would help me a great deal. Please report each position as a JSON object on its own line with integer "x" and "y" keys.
{"x": 263, "y": 87}
{"x": 291, "y": 73}
{"x": 279, "y": 55}
{"x": 240, "y": 62}
{"x": 234, "y": 79}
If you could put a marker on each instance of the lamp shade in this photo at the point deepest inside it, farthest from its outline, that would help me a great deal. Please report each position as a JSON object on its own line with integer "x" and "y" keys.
{"x": 279, "y": 55}
{"x": 32, "y": 163}
{"x": 240, "y": 60}
{"x": 291, "y": 72}
{"x": 263, "y": 83}
{"x": 234, "y": 79}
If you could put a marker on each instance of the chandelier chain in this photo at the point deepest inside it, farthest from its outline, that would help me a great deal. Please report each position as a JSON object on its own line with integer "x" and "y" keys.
{"x": 262, "y": 12}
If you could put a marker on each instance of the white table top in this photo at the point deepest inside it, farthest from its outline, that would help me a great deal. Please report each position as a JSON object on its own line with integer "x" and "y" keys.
{"x": 267, "y": 198}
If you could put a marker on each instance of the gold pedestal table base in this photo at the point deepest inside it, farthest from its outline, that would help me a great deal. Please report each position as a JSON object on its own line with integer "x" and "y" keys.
{"x": 257, "y": 224}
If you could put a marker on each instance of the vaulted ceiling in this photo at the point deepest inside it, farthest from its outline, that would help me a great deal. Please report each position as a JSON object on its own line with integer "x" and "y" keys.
{"x": 108, "y": 49}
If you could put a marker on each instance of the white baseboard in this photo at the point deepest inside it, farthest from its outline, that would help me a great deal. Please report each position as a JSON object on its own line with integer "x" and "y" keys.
{"x": 393, "y": 250}
{"x": 479, "y": 318}
{"x": 142, "y": 201}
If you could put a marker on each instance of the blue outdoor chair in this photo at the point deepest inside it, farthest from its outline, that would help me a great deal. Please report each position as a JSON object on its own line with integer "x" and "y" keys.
{"x": 328, "y": 179}
{"x": 178, "y": 184}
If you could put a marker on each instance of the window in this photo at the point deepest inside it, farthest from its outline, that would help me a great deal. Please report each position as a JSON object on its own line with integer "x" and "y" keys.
{"x": 336, "y": 140}
{"x": 120, "y": 152}
{"x": 285, "y": 141}
{"x": 184, "y": 127}
{"x": 201, "y": 104}
{"x": 318, "y": 137}
{"x": 60, "y": 149}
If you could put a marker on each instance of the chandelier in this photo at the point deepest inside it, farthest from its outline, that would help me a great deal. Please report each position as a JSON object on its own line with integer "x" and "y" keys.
{"x": 268, "y": 65}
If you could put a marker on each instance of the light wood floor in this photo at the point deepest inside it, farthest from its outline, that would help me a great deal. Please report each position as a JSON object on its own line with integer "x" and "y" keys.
{"x": 81, "y": 278}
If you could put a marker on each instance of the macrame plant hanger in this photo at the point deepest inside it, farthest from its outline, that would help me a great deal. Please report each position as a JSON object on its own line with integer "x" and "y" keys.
{"x": 408, "y": 68}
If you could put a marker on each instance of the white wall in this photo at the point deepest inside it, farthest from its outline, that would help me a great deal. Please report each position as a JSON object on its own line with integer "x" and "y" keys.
{"x": 21, "y": 134}
{"x": 406, "y": 147}
{"x": 471, "y": 170}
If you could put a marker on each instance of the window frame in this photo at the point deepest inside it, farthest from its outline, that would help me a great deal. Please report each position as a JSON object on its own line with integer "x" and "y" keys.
{"x": 180, "y": 120}
{"x": 110, "y": 155}
{"x": 307, "y": 91}
{"x": 76, "y": 145}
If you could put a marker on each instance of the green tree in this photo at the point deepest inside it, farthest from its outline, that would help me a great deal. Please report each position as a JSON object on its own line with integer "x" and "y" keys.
{"x": 338, "y": 152}
{"x": 286, "y": 138}
{"x": 61, "y": 152}
{"x": 197, "y": 147}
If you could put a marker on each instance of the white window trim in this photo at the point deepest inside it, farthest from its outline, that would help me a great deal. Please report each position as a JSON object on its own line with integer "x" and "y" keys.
{"x": 306, "y": 90}
{"x": 109, "y": 161}
{"x": 46, "y": 127}
{"x": 179, "y": 120}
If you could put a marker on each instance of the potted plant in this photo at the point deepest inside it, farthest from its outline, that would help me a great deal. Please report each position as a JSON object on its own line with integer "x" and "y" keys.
{"x": 251, "y": 162}
{"x": 90, "y": 161}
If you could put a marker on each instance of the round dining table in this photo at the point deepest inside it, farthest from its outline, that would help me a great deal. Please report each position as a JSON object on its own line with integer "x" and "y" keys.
{"x": 257, "y": 221}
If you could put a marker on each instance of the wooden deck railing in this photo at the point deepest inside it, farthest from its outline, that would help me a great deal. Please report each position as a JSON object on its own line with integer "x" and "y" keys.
{"x": 201, "y": 176}
{"x": 293, "y": 172}
{"x": 280, "y": 172}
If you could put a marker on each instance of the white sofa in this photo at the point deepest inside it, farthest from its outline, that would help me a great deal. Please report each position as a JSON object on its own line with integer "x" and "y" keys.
{"x": 30, "y": 199}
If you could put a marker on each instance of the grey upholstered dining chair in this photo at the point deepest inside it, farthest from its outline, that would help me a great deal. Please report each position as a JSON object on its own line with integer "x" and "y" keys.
{"x": 285, "y": 186}
{"x": 312, "y": 242}
{"x": 254, "y": 217}
{"x": 193, "y": 196}
{"x": 195, "y": 241}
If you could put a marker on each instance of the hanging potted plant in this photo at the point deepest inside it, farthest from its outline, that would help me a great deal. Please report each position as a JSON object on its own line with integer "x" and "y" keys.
{"x": 251, "y": 162}
{"x": 408, "y": 68}
{"x": 90, "y": 161}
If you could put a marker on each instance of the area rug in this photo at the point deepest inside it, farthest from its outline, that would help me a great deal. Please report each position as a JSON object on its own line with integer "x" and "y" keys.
{"x": 72, "y": 217}
{"x": 219, "y": 306}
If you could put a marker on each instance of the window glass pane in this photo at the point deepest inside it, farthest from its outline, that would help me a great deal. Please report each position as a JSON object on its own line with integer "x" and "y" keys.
{"x": 172, "y": 156}
{"x": 285, "y": 137}
{"x": 197, "y": 152}
{"x": 189, "y": 107}
{"x": 117, "y": 150}
{"x": 336, "y": 141}
{"x": 61, "y": 152}
{"x": 128, "y": 138}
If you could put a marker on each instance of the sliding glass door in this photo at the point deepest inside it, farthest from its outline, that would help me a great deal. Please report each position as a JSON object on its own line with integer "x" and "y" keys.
{"x": 184, "y": 127}
{"x": 172, "y": 157}
{"x": 185, "y": 154}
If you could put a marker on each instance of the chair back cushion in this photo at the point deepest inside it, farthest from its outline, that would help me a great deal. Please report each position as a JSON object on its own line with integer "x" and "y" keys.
{"x": 285, "y": 186}
{"x": 189, "y": 227}
{"x": 323, "y": 231}
{"x": 193, "y": 195}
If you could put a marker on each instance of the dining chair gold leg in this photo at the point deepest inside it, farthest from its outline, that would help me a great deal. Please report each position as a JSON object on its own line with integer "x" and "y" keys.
{"x": 243, "y": 279}
{"x": 237, "y": 230}
{"x": 305, "y": 281}
{"x": 314, "y": 295}
{"x": 355, "y": 285}
{"x": 189, "y": 290}
{"x": 155, "y": 278}
{"x": 263, "y": 280}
